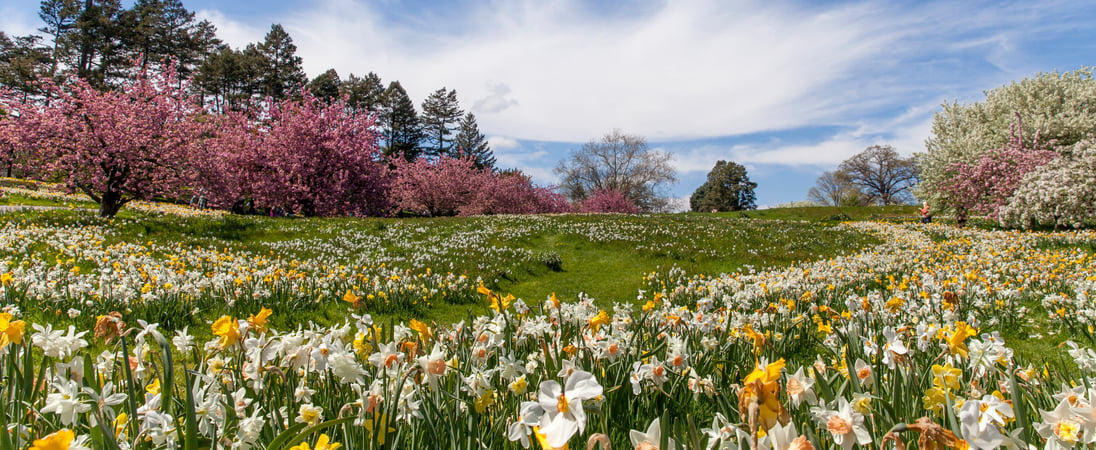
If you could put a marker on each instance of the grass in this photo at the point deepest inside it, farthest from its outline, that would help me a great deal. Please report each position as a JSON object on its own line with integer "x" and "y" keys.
{"x": 603, "y": 256}
{"x": 832, "y": 213}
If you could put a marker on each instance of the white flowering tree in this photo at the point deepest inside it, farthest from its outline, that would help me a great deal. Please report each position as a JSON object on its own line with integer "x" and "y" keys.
{"x": 1061, "y": 193}
{"x": 1061, "y": 107}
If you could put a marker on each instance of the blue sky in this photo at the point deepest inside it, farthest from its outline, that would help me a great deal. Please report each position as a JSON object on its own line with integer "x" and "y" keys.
{"x": 787, "y": 88}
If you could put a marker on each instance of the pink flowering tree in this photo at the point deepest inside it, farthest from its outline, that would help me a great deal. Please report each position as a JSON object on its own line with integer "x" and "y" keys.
{"x": 135, "y": 142}
{"x": 987, "y": 184}
{"x": 515, "y": 193}
{"x": 608, "y": 201}
{"x": 455, "y": 186}
{"x": 443, "y": 187}
{"x": 304, "y": 156}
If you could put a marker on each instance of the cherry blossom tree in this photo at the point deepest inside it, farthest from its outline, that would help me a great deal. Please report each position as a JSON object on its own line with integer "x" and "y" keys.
{"x": 135, "y": 142}
{"x": 303, "y": 156}
{"x": 455, "y": 186}
{"x": 608, "y": 201}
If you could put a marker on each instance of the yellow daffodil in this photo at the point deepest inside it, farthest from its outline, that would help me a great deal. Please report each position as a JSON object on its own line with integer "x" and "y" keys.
{"x": 60, "y": 440}
{"x": 762, "y": 387}
{"x": 349, "y": 297}
{"x": 602, "y": 318}
{"x": 11, "y": 331}
{"x": 258, "y": 321}
{"x": 228, "y": 330}
{"x": 946, "y": 376}
{"x": 957, "y": 341}
{"x": 422, "y": 328}
{"x": 323, "y": 443}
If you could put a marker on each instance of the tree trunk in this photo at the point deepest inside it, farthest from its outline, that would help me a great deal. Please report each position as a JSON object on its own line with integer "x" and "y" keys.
{"x": 110, "y": 203}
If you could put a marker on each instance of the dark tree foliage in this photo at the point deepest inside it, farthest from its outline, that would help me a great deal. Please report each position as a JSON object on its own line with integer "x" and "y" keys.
{"x": 472, "y": 144}
{"x": 441, "y": 115}
{"x": 282, "y": 73}
{"x": 621, "y": 163}
{"x": 94, "y": 51}
{"x": 23, "y": 60}
{"x": 159, "y": 32}
{"x": 230, "y": 79}
{"x": 325, "y": 87}
{"x": 728, "y": 189}
{"x": 400, "y": 127}
{"x": 59, "y": 19}
{"x": 363, "y": 95}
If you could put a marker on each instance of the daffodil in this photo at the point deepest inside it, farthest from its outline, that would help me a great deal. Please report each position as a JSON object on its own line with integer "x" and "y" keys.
{"x": 322, "y": 443}
{"x": 651, "y": 439}
{"x": 602, "y": 318}
{"x": 59, "y": 440}
{"x": 228, "y": 330}
{"x": 957, "y": 340}
{"x": 762, "y": 388}
{"x": 258, "y": 321}
{"x": 563, "y": 409}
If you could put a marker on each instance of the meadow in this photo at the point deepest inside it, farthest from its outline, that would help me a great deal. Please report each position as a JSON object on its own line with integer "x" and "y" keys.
{"x": 174, "y": 328}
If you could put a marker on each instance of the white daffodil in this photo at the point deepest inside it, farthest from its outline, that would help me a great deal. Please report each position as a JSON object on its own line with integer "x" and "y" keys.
{"x": 651, "y": 439}
{"x": 564, "y": 415}
{"x": 844, "y": 424}
{"x": 800, "y": 388}
{"x": 65, "y": 401}
{"x": 1062, "y": 428}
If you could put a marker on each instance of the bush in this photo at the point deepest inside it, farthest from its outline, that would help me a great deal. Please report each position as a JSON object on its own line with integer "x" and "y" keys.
{"x": 608, "y": 201}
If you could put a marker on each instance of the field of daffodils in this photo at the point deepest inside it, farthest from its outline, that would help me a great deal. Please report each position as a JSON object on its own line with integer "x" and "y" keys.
{"x": 938, "y": 337}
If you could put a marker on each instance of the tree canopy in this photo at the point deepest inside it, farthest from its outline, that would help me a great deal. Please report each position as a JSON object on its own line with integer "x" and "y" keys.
{"x": 622, "y": 163}
{"x": 728, "y": 189}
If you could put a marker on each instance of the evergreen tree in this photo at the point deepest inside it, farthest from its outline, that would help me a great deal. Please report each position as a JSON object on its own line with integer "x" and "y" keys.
{"x": 728, "y": 189}
{"x": 363, "y": 94}
{"x": 471, "y": 143}
{"x": 163, "y": 31}
{"x": 441, "y": 115}
{"x": 23, "y": 60}
{"x": 229, "y": 78}
{"x": 60, "y": 18}
{"x": 400, "y": 125}
{"x": 325, "y": 87}
{"x": 282, "y": 73}
{"x": 94, "y": 51}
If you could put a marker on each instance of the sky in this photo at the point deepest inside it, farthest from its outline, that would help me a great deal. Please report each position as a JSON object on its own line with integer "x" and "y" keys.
{"x": 787, "y": 88}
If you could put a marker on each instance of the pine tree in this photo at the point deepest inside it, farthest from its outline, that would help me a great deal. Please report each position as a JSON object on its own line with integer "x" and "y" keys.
{"x": 363, "y": 94}
{"x": 325, "y": 87}
{"x": 60, "y": 18}
{"x": 400, "y": 125}
{"x": 441, "y": 115}
{"x": 471, "y": 143}
{"x": 94, "y": 49}
{"x": 229, "y": 79}
{"x": 163, "y": 31}
{"x": 282, "y": 73}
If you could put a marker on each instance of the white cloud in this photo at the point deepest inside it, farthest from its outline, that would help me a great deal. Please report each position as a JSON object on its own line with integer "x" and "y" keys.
{"x": 554, "y": 72}
{"x": 235, "y": 33}
{"x": 500, "y": 143}
{"x": 497, "y": 101}
{"x": 558, "y": 71}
